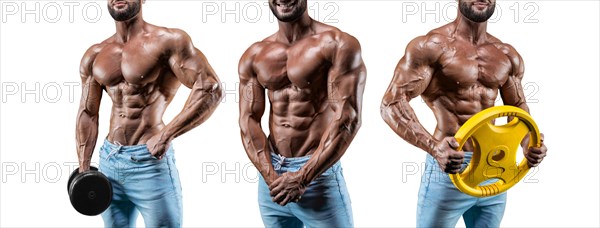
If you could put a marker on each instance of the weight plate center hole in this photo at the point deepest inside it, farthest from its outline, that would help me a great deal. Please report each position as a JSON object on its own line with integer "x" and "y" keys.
{"x": 499, "y": 154}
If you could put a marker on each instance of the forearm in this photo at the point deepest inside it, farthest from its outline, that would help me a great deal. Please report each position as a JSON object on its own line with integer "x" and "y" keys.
{"x": 525, "y": 141}
{"x": 400, "y": 116}
{"x": 86, "y": 136}
{"x": 256, "y": 145}
{"x": 516, "y": 98}
{"x": 337, "y": 138}
{"x": 200, "y": 105}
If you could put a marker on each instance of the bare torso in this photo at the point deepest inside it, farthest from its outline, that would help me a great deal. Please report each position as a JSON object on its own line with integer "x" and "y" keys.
{"x": 296, "y": 79}
{"x": 313, "y": 76}
{"x": 459, "y": 70}
{"x": 141, "y": 67}
{"x": 466, "y": 79}
{"x": 137, "y": 77}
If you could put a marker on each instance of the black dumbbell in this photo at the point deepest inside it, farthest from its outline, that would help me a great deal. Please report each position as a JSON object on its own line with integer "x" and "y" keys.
{"x": 90, "y": 192}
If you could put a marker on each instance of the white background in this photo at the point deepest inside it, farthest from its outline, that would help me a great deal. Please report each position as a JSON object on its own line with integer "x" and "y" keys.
{"x": 559, "y": 42}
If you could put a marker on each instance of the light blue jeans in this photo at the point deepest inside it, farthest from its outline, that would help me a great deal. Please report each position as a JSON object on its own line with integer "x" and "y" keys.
{"x": 141, "y": 183}
{"x": 325, "y": 203}
{"x": 441, "y": 204}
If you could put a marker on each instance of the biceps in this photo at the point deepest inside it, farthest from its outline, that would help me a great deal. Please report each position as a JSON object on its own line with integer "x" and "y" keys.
{"x": 345, "y": 91}
{"x": 407, "y": 83}
{"x": 193, "y": 69}
{"x": 345, "y": 100}
{"x": 512, "y": 92}
{"x": 252, "y": 100}
{"x": 90, "y": 96}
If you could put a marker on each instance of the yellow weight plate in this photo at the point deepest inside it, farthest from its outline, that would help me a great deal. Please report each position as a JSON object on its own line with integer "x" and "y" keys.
{"x": 495, "y": 150}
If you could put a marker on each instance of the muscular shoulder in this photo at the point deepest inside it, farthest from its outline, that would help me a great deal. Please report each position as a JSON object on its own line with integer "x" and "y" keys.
{"x": 507, "y": 49}
{"x": 345, "y": 40}
{"x": 173, "y": 34}
{"x": 245, "y": 68}
{"x": 256, "y": 47}
{"x": 513, "y": 56}
{"x": 334, "y": 42}
{"x": 427, "y": 48}
{"x": 175, "y": 38}
{"x": 88, "y": 58}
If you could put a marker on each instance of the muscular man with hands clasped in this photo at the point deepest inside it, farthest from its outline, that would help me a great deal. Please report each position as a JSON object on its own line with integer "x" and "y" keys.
{"x": 314, "y": 77}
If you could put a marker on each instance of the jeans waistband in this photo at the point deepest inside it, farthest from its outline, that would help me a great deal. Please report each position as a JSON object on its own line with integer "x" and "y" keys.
{"x": 294, "y": 163}
{"x": 110, "y": 149}
{"x": 116, "y": 146}
{"x": 467, "y": 157}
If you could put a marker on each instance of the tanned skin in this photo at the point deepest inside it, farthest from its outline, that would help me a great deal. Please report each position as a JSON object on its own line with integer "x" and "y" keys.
{"x": 458, "y": 69}
{"x": 141, "y": 67}
{"x": 314, "y": 78}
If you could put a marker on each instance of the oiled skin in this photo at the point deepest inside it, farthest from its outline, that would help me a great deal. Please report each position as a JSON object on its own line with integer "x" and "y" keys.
{"x": 314, "y": 78}
{"x": 141, "y": 68}
{"x": 459, "y": 70}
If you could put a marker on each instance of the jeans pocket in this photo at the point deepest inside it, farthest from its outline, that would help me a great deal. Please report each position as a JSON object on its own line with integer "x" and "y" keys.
{"x": 144, "y": 156}
{"x": 328, "y": 174}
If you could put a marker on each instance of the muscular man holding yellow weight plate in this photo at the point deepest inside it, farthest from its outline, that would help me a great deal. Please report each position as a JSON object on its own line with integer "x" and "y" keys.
{"x": 458, "y": 69}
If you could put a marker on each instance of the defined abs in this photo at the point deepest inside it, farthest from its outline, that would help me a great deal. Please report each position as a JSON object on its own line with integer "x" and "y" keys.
{"x": 297, "y": 126}
{"x": 136, "y": 114}
{"x": 293, "y": 110}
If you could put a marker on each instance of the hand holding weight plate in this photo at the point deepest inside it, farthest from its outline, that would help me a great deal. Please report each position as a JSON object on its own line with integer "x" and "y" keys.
{"x": 495, "y": 150}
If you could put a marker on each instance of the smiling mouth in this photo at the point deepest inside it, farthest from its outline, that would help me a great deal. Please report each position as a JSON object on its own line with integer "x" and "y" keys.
{"x": 285, "y": 5}
{"x": 480, "y": 4}
{"x": 119, "y": 3}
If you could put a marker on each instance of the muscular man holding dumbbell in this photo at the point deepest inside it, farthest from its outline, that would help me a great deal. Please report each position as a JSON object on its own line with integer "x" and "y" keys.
{"x": 458, "y": 70}
{"x": 141, "y": 67}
